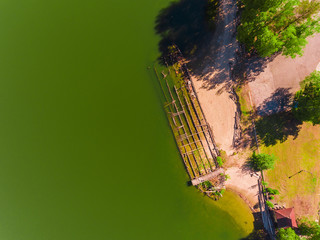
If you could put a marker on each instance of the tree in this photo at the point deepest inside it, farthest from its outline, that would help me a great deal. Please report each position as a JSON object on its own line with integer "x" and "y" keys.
{"x": 269, "y": 26}
{"x": 287, "y": 234}
{"x": 310, "y": 229}
{"x": 314, "y": 77}
{"x": 306, "y": 104}
{"x": 262, "y": 161}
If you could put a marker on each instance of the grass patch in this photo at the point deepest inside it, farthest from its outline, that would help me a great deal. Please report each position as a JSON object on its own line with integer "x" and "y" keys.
{"x": 242, "y": 92}
{"x": 294, "y": 155}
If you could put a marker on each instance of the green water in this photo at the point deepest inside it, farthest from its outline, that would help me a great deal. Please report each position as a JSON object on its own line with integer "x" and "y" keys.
{"x": 85, "y": 148}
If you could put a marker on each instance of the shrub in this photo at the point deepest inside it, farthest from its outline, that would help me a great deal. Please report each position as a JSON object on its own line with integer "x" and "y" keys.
{"x": 272, "y": 191}
{"x": 309, "y": 228}
{"x": 219, "y": 161}
{"x": 207, "y": 184}
{"x": 269, "y": 204}
{"x": 226, "y": 176}
{"x": 262, "y": 161}
{"x": 286, "y": 234}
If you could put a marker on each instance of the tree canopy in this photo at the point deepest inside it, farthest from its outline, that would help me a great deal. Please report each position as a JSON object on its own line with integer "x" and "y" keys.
{"x": 310, "y": 229}
{"x": 306, "y": 104}
{"x": 287, "y": 234}
{"x": 270, "y": 26}
{"x": 262, "y": 161}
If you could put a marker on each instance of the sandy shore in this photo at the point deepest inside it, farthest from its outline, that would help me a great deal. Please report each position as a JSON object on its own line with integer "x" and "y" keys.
{"x": 213, "y": 90}
{"x": 219, "y": 110}
{"x": 244, "y": 184}
{"x": 215, "y": 79}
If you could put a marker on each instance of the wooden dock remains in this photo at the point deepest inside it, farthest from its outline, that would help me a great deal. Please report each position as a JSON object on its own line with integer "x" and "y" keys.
{"x": 207, "y": 177}
{"x": 192, "y": 133}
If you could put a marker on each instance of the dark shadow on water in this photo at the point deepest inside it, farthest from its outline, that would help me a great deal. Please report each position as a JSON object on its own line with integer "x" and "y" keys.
{"x": 258, "y": 233}
{"x": 183, "y": 23}
{"x": 189, "y": 184}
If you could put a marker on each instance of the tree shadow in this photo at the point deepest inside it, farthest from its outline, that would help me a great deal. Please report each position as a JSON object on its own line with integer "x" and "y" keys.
{"x": 250, "y": 65}
{"x": 280, "y": 101}
{"x": 277, "y": 128}
{"x": 277, "y": 122}
{"x": 213, "y": 55}
{"x": 247, "y": 139}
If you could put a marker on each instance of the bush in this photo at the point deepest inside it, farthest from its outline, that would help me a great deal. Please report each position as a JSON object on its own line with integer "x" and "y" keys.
{"x": 287, "y": 234}
{"x": 262, "y": 161}
{"x": 207, "y": 184}
{"x": 309, "y": 228}
{"x": 272, "y": 191}
{"x": 219, "y": 161}
{"x": 269, "y": 204}
{"x": 226, "y": 176}
{"x": 212, "y": 12}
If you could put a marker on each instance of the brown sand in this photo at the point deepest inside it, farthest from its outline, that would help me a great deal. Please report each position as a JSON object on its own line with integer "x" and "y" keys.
{"x": 219, "y": 110}
{"x": 244, "y": 183}
{"x": 212, "y": 83}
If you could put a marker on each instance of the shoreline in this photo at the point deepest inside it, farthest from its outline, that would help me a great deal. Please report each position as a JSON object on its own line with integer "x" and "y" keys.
{"x": 214, "y": 89}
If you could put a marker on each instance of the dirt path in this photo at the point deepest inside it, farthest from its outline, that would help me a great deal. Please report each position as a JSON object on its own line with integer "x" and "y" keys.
{"x": 213, "y": 84}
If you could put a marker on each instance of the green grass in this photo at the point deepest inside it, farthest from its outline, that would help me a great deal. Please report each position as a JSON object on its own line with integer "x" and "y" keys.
{"x": 244, "y": 100}
{"x": 246, "y": 109}
{"x": 294, "y": 155}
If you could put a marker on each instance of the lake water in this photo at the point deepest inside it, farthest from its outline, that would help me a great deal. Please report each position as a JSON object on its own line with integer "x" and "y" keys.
{"x": 85, "y": 148}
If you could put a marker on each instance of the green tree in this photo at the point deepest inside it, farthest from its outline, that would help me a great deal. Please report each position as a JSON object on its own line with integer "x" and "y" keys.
{"x": 287, "y": 234}
{"x": 314, "y": 77}
{"x": 310, "y": 229}
{"x": 262, "y": 161}
{"x": 269, "y": 26}
{"x": 306, "y": 104}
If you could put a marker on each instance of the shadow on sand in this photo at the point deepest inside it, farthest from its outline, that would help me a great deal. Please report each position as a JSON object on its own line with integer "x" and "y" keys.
{"x": 277, "y": 122}
{"x": 207, "y": 49}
